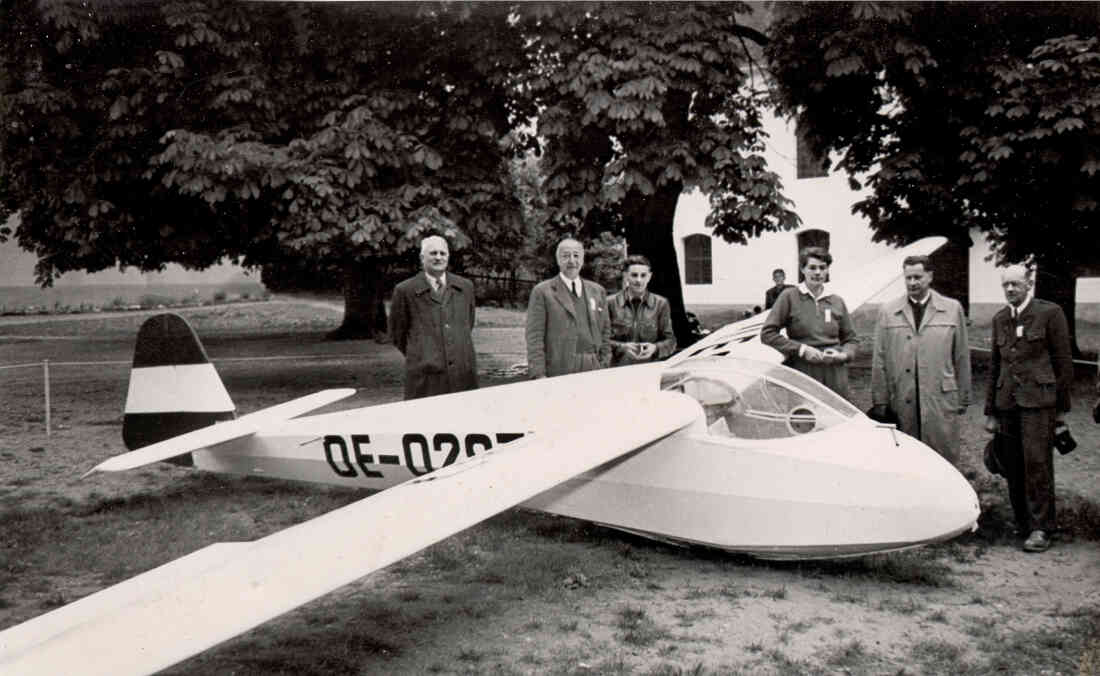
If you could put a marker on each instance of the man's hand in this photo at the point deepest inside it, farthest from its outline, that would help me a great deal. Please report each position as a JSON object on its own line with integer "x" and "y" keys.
{"x": 991, "y": 424}
{"x": 835, "y": 356}
{"x": 645, "y": 350}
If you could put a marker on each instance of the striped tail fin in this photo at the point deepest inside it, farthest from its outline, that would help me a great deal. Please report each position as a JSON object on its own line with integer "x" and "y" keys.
{"x": 173, "y": 386}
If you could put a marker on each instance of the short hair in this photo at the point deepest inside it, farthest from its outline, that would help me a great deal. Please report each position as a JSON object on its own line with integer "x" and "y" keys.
{"x": 1029, "y": 271}
{"x": 563, "y": 243}
{"x": 636, "y": 259}
{"x": 817, "y": 252}
{"x": 926, "y": 261}
{"x": 778, "y": 271}
{"x": 433, "y": 239}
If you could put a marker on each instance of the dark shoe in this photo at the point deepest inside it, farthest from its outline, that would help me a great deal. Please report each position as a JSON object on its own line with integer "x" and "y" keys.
{"x": 1037, "y": 542}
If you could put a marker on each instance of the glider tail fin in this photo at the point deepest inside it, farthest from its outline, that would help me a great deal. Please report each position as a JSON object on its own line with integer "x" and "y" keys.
{"x": 173, "y": 386}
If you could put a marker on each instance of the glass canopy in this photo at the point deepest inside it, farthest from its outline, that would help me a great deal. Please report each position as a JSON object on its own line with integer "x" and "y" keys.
{"x": 757, "y": 400}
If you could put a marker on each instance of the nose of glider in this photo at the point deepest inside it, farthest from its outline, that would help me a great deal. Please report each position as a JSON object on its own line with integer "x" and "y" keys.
{"x": 942, "y": 501}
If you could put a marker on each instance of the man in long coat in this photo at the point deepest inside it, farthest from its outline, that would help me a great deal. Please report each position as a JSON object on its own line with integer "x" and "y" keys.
{"x": 568, "y": 326}
{"x": 921, "y": 363}
{"x": 431, "y": 322}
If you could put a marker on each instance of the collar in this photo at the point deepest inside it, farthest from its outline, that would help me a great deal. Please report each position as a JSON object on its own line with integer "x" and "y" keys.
{"x": 624, "y": 298}
{"x": 442, "y": 279}
{"x": 923, "y": 301}
{"x": 1023, "y": 306}
{"x": 568, "y": 282}
{"x": 802, "y": 288}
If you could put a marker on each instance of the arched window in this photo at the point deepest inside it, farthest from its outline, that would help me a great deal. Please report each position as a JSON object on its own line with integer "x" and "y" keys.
{"x": 697, "y": 265}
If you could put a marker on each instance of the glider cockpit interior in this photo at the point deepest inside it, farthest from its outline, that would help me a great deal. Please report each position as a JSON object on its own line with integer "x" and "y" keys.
{"x": 750, "y": 399}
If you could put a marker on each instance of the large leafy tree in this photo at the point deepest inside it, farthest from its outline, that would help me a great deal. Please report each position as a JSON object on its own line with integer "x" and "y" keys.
{"x": 956, "y": 115}
{"x": 137, "y": 134}
{"x": 639, "y": 102}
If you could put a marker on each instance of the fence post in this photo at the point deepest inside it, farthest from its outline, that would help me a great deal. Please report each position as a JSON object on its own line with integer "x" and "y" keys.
{"x": 46, "y": 378}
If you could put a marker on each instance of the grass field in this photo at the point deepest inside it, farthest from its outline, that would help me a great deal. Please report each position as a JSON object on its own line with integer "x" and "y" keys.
{"x": 523, "y": 592}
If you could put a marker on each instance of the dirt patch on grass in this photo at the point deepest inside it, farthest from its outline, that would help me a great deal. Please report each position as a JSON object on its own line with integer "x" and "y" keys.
{"x": 523, "y": 592}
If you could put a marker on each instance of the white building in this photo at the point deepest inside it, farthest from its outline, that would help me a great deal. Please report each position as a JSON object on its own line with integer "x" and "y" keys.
{"x": 716, "y": 272}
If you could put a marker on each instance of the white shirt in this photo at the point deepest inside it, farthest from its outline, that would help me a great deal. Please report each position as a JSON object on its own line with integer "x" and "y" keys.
{"x": 573, "y": 285}
{"x": 437, "y": 283}
{"x": 806, "y": 290}
{"x": 1016, "y": 311}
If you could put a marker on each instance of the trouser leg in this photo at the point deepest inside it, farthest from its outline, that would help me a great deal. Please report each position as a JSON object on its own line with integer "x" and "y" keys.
{"x": 1012, "y": 462}
{"x": 1036, "y": 441}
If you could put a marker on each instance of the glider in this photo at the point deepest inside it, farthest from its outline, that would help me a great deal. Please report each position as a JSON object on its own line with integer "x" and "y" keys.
{"x": 721, "y": 446}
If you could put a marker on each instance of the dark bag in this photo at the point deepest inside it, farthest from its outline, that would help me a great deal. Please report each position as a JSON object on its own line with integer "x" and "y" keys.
{"x": 992, "y": 456}
{"x": 1063, "y": 440}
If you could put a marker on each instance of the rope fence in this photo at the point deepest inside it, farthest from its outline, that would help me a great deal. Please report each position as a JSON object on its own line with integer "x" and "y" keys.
{"x": 45, "y": 365}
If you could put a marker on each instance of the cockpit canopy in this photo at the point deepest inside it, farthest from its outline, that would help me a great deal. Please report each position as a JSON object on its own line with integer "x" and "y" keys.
{"x": 751, "y": 399}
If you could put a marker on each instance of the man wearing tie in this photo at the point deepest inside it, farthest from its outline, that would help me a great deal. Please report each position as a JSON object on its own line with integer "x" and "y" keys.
{"x": 568, "y": 326}
{"x": 1030, "y": 379}
{"x": 920, "y": 368}
{"x": 431, "y": 322}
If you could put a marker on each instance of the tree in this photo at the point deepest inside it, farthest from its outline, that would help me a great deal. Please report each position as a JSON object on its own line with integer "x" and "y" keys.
{"x": 956, "y": 115}
{"x": 139, "y": 134}
{"x": 639, "y": 102}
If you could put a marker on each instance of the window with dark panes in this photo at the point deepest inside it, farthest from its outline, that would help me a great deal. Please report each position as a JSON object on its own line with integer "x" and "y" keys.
{"x": 697, "y": 264}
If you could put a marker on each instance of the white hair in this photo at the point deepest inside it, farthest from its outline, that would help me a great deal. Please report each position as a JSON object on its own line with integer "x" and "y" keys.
{"x": 430, "y": 240}
{"x": 1018, "y": 268}
{"x": 565, "y": 241}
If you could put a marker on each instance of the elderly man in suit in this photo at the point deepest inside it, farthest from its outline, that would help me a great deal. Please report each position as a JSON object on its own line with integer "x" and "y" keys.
{"x": 1029, "y": 393}
{"x": 568, "y": 326}
{"x": 920, "y": 368}
{"x": 431, "y": 322}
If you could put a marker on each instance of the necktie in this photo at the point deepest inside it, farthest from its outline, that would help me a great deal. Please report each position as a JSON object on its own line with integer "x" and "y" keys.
{"x": 574, "y": 285}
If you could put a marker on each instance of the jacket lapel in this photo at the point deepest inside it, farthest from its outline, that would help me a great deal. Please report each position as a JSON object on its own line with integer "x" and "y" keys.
{"x": 906, "y": 311}
{"x": 564, "y": 296}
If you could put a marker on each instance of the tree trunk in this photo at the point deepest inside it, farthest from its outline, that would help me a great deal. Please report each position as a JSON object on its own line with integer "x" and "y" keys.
{"x": 1058, "y": 284}
{"x": 951, "y": 265}
{"x": 649, "y": 223}
{"x": 364, "y": 307}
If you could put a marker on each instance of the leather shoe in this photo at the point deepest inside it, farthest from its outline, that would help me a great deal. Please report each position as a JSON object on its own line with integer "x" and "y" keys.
{"x": 1037, "y": 542}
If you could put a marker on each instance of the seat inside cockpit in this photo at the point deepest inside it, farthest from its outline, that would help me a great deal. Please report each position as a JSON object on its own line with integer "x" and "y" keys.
{"x": 753, "y": 400}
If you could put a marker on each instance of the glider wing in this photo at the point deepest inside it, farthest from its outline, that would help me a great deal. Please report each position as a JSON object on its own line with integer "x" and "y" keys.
{"x": 184, "y": 607}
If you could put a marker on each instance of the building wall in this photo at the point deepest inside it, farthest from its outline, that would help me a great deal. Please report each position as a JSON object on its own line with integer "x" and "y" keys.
{"x": 742, "y": 273}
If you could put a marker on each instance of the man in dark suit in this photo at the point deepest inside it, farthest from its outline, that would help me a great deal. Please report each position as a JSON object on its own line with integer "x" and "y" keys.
{"x": 431, "y": 322}
{"x": 1032, "y": 371}
{"x": 568, "y": 326}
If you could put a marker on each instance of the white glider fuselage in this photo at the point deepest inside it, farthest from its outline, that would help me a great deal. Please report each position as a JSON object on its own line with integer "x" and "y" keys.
{"x": 800, "y": 480}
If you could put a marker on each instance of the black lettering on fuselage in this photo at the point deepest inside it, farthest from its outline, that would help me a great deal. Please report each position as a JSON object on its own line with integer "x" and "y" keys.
{"x": 333, "y": 441}
{"x": 415, "y": 448}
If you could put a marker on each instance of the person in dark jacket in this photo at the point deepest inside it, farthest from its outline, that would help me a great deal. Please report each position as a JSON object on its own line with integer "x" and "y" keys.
{"x": 772, "y": 294}
{"x": 641, "y": 321}
{"x": 431, "y": 322}
{"x": 1030, "y": 380}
